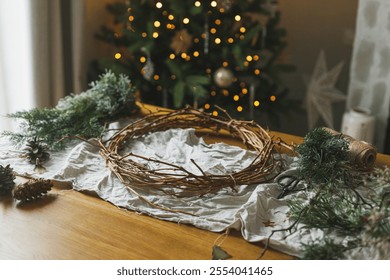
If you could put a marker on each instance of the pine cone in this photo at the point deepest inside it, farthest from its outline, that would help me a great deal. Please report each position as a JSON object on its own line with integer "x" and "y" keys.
{"x": 7, "y": 178}
{"x": 32, "y": 189}
{"x": 36, "y": 152}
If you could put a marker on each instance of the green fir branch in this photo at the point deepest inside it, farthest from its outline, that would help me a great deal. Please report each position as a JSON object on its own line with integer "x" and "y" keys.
{"x": 324, "y": 158}
{"x": 338, "y": 199}
{"x": 324, "y": 249}
{"x": 84, "y": 115}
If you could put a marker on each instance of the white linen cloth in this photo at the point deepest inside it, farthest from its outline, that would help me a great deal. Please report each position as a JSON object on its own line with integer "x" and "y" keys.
{"x": 254, "y": 210}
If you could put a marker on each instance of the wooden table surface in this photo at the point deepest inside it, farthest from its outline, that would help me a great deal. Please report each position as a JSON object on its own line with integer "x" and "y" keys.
{"x": 70, "y": 225}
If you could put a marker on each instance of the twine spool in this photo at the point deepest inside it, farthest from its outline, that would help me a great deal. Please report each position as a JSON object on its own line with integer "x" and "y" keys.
{"x": 362, "y": 154}
{"x": 359, "y": 124}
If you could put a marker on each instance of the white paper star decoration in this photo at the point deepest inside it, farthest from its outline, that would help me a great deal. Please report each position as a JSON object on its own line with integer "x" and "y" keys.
{"x": 321, "y": 92}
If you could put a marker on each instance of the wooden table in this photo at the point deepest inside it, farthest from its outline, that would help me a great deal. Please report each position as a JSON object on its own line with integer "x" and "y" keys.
{"x": 72, "y": 225}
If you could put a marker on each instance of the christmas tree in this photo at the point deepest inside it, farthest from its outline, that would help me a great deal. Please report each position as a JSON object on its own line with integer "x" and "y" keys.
{"x": 201, "y": 53}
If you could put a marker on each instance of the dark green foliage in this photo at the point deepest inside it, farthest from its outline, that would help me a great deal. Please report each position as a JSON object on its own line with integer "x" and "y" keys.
{"x": 186, "y": 81}
{"x": 378, "y": 224}
{"x": 7, "y": 178}
{"x": 323, "y": 158}
{"x": 84, "y": 115}
{"x": 340, "y": 200}
{"x": 338, "y": 211}
{"x": 378, "y": 184}
{"x": 325, "y": 249}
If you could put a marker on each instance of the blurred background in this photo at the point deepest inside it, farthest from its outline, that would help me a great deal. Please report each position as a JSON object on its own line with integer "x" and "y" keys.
{"x": 289, "y": 65}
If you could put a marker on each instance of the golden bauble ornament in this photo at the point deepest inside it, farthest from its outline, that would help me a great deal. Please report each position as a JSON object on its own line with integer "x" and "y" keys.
{"x": 223, "y": 77}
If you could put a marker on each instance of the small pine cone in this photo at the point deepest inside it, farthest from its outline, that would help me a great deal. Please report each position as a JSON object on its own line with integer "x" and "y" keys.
{"x": 36, "y": 151}
{"x": 7, "y": 178}
{"x": 32, "y": 189}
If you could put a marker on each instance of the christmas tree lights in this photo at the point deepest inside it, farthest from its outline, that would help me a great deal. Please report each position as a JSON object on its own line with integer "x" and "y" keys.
{"x": 201, "y": 53}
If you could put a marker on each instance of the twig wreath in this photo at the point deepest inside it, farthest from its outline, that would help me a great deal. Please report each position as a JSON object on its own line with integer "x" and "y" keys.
{"x": 175, "y": 180}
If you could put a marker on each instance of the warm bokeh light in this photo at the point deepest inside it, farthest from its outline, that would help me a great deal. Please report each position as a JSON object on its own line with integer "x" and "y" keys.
{"x": 157, "y": 23}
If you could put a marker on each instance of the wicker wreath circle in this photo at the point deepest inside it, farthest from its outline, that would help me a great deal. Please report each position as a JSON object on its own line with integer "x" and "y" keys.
{"x": 176, "y": 180}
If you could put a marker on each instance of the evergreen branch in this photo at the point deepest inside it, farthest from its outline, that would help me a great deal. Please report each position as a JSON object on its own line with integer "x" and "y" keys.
{"x": 326, "y": 249}
{"x": 338, "y": 199}
{"x": 84, "y": 115}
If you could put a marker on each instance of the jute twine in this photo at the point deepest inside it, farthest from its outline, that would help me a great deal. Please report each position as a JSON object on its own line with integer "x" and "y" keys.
{"x": 362, "y": 154}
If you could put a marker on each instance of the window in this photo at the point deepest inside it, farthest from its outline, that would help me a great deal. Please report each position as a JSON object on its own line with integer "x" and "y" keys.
{"x": 16, "y": 85}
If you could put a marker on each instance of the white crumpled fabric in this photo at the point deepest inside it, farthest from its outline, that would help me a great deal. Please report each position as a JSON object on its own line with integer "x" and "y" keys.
{"x": 254, "y": 210}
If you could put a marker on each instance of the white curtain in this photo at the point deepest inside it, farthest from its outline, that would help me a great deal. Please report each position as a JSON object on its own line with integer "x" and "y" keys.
{"x": 369, "y": 86}
{"x": 16, "y": 90}
{"x": 41, "y": 53}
